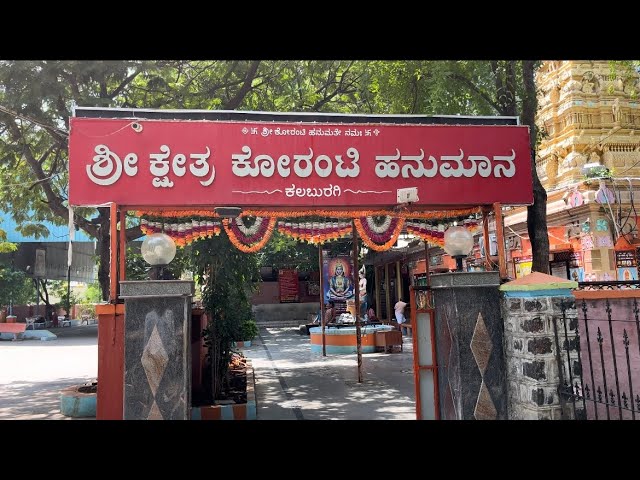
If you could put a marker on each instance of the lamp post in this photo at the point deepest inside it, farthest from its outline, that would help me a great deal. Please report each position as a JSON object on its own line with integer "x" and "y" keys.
{"x": 458, "y": 242}
{"x": 157, "y": 339}
{"x": 158, "y": 250}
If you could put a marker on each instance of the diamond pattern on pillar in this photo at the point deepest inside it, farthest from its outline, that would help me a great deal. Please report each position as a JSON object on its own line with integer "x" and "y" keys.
{"x": 154, "y": 412}
{"x": 485, "y": 408}
{"x": 481, "y": 344}
{"x": 154, "y": 361}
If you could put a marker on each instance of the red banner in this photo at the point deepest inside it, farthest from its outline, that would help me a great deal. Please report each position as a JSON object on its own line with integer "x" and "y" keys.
{"x": 211, "y": 163}
{"x": 288, "y": 283}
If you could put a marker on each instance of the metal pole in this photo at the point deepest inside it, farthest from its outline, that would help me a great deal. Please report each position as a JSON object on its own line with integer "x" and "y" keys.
{"x": 324, "y": 342}
{"x": 487, "y": 245}
{"x": 37, "y": 300}
{"x": 502, "y": 257}
{"x": 113, "y": 257}
{"x": 376, "y": 273}
{"x": 68, "y": 292}
{"x": 387, "y": 293}
{"x": 122, "y": 246}
{"x": 357, "y": 300}
{"x": 398, "y": 281}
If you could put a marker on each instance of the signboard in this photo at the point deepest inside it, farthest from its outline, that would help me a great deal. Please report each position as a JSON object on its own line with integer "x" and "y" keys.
{"x": 523, "y": 266}
{"x": 626, "y": 259}
{"x": 575, "y": 260}
{"x": 288, "y": 285}
{"x": 626, "y": 265}
{"x": 627, "y": 274}
{"x": 337, "y": 278}
{"x": 222, "y": 163}
{"x": 40, "y": 265}
{"x": 559, "y": 269}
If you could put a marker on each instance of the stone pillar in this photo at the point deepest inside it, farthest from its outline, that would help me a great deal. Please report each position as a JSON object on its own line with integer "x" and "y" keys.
{"x": 157, "y": 356}
{"x": 471, "y": 373}
{"x": 529, "y": 306}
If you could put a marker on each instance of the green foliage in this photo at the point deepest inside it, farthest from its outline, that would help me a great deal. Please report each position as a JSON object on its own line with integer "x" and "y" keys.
{"x": 15, "y": 286}
{"x": 6, "y": 247}
{"x": 59, "y": 289}
{"x": 227, "y": 277}
{"x": 285, "y": 252}
{"x": 600, "y": 172}
{"x": 86, "y": 309}
{"x": 33, "y": 141}
{"x": 248, "y": 330}
{"x": 92, "y": 294}
{"x": 136, "y": 267}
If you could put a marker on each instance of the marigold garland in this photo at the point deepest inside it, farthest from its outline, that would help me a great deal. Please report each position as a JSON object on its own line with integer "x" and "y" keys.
{"x": 381, "y": 234}
{"x": 434, "y": 214}
{"x": 374, "y": 246}
{"x": 250, "y": 235}
{"x": 182, "y": 233}
{"x": 314, "y": 232}
{"x": 249, "y": 248}
{"x": 438, "y": 214}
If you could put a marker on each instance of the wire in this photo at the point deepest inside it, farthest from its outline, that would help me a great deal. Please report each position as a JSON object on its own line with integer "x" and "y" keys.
{"x": 34, "y": 121}
{"x": 31, "y": 182}
{"x": 564, "y": 240}
{"x": 109, "y": 134}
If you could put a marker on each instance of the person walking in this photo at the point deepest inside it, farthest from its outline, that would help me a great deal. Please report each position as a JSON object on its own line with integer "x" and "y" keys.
{"x": 399, "y": 309}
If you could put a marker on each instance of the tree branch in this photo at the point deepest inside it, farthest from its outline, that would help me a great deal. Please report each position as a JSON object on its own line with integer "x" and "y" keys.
{"x": 123, "y": 84}
{"x": 246, "y": 87}
{"x": 476, "y": 89}
{"x": 53, "y": 200}
{"x": 57, "y": 134}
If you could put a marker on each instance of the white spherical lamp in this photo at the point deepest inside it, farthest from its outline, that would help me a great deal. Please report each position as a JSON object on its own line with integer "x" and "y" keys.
{"x": 158, "y": 249}
{"x": 458, "y": 242}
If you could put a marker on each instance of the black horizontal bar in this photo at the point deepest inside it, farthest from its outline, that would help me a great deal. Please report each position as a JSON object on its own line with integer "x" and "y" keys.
{"x": 238, "y": 115}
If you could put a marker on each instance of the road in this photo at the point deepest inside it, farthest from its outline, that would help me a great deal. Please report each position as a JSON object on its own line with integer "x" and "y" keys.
{"x": 33, "y": 372}
{"x": 291, "y": 382}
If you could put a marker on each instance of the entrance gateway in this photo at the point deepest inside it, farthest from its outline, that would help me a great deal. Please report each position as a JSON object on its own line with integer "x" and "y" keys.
{"x": 277, "y": 166}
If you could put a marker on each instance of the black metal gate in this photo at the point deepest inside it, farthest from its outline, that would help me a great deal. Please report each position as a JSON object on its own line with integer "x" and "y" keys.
{"x": 598, "y": 352}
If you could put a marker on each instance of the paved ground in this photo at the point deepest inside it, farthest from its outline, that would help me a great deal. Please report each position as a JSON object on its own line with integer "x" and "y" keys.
{"x": 294, "y": 384}
{"x": 33, "y": 372}
{"x": 291, "y": 382}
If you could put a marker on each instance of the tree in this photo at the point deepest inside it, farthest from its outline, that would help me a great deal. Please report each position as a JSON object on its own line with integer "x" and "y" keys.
{"x": 536, "y": 213}
{"x": 15, "y": 287}
{"x": 37, "y": 97}
{"x": 228, "y": 277}
{"x": 282, "y": 251}
{"x": 36, "y": 100}
{"x": 472, "y": 88}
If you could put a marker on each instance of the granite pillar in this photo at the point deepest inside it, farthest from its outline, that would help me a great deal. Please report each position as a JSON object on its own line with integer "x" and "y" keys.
{"x": 529, "y": 307}
{"x": 157, "y": 356}
{"x": 471, "y": 373}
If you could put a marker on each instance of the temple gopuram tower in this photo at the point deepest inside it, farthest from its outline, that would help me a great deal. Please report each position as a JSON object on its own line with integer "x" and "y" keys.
{"x": 589, "y": 162}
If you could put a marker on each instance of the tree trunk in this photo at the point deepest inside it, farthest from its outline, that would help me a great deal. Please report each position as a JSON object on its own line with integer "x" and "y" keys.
{"x": 536, "y": 213}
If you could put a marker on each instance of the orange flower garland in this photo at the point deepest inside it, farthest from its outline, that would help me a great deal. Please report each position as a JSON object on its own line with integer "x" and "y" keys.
{"x": 371, "y": 244}
{"x": 182, "y": 234}
{"x": 256, "y": 246}
{"x": 319, "y": 233}
{"x": 436, "y": 214}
